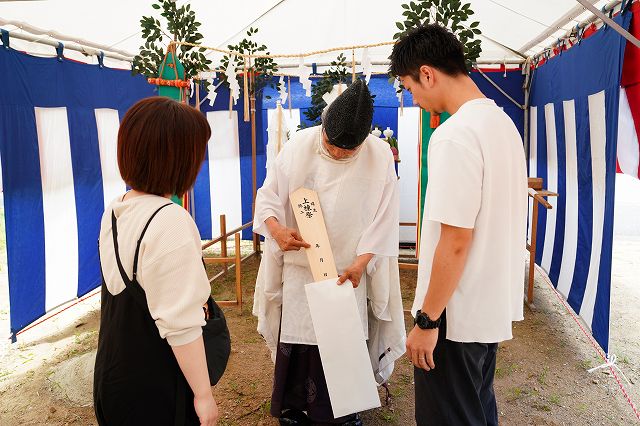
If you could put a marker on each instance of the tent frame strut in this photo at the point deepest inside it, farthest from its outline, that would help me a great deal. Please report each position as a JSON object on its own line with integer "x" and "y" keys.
{"x": 52, "y": 38}
{"x": 494, "y": 84}
{"x": 556, "y": 26}
{"x": 613, "y": 24}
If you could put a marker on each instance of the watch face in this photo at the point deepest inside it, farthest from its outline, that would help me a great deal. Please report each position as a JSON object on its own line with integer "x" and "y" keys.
{"x": 422, "y": 321}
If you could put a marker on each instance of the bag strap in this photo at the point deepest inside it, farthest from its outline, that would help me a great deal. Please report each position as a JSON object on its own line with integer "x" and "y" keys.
{"x": 135, "y": 257}
{"x": 114, "y": 230}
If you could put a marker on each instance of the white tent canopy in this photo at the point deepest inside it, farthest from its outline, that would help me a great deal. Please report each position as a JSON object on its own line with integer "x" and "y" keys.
{"x": 295, "y": 26}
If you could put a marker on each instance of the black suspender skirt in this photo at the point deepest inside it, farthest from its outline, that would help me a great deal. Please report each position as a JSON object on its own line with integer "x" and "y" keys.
{"x": 137, "y": 380}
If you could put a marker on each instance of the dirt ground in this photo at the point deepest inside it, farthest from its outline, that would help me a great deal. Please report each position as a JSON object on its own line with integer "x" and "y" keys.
{"x": 541, "y": 376}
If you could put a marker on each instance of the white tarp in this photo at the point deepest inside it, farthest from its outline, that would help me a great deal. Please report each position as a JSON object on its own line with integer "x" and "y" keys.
{"x": 316, "y": 26}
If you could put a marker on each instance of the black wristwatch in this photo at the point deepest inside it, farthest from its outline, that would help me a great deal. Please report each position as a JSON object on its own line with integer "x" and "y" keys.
{"x": 423, "y": 321}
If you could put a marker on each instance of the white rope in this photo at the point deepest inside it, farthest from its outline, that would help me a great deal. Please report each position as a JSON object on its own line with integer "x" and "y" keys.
{"x": 611, "y": 362}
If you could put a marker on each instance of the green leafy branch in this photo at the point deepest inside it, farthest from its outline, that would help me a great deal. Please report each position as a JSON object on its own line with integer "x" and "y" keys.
{"x": 448, "y": 13}
{"x": 337, "y": 73}
{"x": 181, "y": 26}
{"x": 262, "y": 69}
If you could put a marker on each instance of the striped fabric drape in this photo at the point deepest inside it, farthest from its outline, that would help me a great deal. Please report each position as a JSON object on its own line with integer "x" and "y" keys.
{"x": 573, "y": 136}
{"x": 58, "y": 125}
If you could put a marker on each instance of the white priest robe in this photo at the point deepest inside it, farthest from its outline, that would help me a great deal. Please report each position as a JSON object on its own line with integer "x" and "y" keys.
{"x": 360, "y": 204}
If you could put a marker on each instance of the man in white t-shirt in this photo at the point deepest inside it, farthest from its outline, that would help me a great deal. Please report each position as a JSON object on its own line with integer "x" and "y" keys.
{"x": 473, "y": 234}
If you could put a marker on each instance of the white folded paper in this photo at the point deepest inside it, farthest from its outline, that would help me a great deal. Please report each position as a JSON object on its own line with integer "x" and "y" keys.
{"x": 343, "y": 349}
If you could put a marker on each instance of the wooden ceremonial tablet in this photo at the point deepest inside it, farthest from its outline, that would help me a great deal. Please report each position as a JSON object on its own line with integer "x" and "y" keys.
{"x": 306, "y": 207}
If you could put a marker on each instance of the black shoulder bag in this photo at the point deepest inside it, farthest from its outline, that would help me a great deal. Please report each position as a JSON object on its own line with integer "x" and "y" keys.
{"x": 215, "y": 333}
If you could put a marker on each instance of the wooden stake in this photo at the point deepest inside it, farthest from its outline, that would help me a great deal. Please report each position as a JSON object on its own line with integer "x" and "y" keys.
{"x": 246, "y": 93}
{"x": 279, "y": 117}
{"x": 223, "y": 242}
{"x": 289, "y": 97}
{"x": 532, "y": 251}
{"x": 254, "y": 180}
{"x": 238, "y": 270}
{"x": 197, "y": 83}
{"x": 353, "y": 65}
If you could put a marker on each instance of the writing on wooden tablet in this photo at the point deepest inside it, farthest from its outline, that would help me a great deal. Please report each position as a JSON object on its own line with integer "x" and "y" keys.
{"x": 308, "y": 213}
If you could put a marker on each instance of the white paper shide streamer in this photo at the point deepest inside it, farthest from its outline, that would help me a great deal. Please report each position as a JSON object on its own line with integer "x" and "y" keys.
{"x": 304, "y": 74}
{"x": 331, "y": 96}
{"x": 277, "y": 132}
{"x": 282, "y": 89}
{"x": 231, "y": 74}
{"x": 396, "y": 87}
{"x": 212, "y": 94}
{"x": 366, "y": 64}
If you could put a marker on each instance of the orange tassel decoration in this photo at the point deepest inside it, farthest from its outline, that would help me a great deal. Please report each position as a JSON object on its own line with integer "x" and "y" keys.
{"x": 170, "y": 83}
{"x": 435, "y": 120}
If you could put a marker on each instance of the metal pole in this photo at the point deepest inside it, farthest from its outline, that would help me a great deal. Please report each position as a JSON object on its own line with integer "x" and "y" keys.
{"x": 613, "y": 24}
{"x": 70, "y": 46}
{"x": 52, "y": 38}
{"x": 527, "y": 93}
{"x": 572, "y": 32}
{"x": 556, "y": 26}
{"x": 494, "y": 84}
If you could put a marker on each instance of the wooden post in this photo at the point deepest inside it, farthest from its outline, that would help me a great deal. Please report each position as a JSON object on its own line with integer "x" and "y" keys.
{"x": 197, "y": 84}
{"x": 532, "y": 252}
{"x": 254, "y": 180}
{"x": 353, "y": 65}
{"x": 238, "y": 267}
{"x": 245, "y": 94}
{"x": 223, "y": 242}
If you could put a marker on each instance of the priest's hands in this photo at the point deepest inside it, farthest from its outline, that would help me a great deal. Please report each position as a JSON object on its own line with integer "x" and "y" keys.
{"x": 289, "y": 239}
{"x": 354, "y": 272}
{"x": 420, "y": 346}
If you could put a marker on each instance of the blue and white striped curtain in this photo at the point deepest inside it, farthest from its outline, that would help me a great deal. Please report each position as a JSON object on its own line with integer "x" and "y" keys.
{"x": 573, "y": 137}
{"x": 58, "y": 125}
{"x": 59, "y": 121}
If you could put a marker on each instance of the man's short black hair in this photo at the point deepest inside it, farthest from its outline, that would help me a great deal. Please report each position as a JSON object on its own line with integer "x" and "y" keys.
{"x": 431, "y": 45}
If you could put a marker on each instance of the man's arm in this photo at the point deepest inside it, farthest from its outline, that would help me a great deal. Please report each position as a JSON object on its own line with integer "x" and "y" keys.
{"x": 448, "y": 264}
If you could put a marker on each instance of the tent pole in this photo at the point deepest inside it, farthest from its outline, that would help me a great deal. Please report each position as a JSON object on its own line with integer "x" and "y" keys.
{"x": 527, "y": 93}
{"x": 89, "y": 51}
{"x": 555, "y": 27}
{"x": 387, "y": 63}
{"x": 583, "y": 24}
{"x": 494, "y": 84}
{"x": 613, "y": 24}
{"x": 51, "y": 38}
